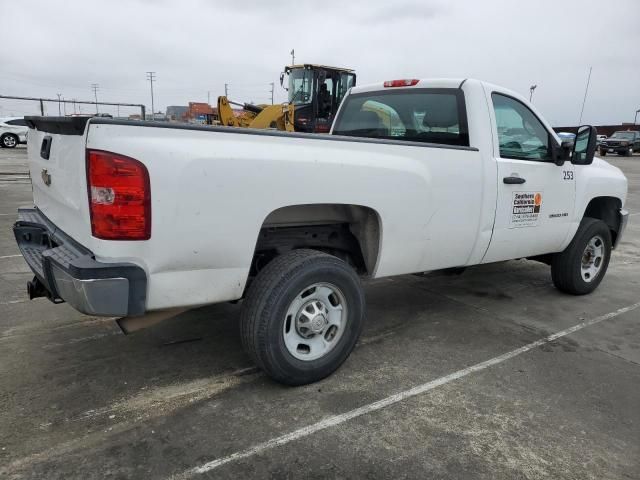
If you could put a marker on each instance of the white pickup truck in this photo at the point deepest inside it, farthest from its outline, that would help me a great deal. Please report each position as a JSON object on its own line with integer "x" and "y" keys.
{"x": 132, "y": 218}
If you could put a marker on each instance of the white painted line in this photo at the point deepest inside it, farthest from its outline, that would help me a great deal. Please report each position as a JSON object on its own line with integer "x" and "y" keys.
{"x": 11, "y": 302}
{"x": 7, "y": 214}
{"x": 10, "y": 256}
{"x": 634, "y": 214}
{"x": 391, "y": 400}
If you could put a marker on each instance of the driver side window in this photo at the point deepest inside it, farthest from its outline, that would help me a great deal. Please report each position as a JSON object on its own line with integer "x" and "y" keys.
{"x": 520, "y": 134}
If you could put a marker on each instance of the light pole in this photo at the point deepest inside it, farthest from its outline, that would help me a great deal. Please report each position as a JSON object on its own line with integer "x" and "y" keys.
{"x": 531, "y": 90}
{"x": 635, "y": 120}
{"x": 59, "y": 111}
{"x": 95, "y": 87}
{"x": 151, "y": 76}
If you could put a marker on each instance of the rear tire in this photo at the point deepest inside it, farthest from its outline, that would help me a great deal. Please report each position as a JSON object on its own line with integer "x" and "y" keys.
{"x": 302, "y": 316}
{"x": 580, "y": 268}
{"x": 9, "y": 140}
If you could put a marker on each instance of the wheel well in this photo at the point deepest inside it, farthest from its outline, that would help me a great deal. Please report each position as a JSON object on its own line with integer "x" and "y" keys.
{"x": 350, "y": 232}
{"x": 606, "y": 209}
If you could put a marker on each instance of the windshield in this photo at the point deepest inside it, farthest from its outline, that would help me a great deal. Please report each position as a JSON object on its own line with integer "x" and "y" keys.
{"x": 627, "y": 135}
{"x": 300, "y": 83}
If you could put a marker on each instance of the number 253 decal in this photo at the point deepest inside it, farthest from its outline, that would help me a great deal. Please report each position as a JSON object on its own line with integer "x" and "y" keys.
{"x": 567, "y": 175}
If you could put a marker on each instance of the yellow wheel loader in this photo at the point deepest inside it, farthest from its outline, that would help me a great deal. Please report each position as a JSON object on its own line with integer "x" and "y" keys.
{"x": 315, "y": 93}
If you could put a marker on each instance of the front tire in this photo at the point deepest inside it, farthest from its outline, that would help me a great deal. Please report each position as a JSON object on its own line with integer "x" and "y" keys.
{"x": 9, "y": 140}
{"x": 302, "y": 316}
{"x": 580, "y": 268}
{"x": 603, "y": 153}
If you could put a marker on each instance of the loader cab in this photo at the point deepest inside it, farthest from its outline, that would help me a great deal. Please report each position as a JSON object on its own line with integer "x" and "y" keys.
{"x": 316, "y": 92}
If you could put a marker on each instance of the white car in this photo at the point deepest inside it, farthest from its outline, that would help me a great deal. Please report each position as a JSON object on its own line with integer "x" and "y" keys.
{"x": 142, "y": 219}
{"x": 13, "y": 131}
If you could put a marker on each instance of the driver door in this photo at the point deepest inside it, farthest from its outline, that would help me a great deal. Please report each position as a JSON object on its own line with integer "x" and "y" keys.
{"x": 536, "y": 197}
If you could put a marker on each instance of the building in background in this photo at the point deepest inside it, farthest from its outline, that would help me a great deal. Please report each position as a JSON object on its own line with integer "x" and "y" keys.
{"x": 203, "y": 113}
{"x": 177, "y": 113}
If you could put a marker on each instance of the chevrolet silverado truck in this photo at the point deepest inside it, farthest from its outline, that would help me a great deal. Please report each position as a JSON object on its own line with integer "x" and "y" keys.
{"x": 623, "y": 143}
{"x": 134, "y": 219}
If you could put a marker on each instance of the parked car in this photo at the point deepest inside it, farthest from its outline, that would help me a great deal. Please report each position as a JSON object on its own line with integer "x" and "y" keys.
{"x": 13, "y": 131}
{"x": 623, "y": 143}
{"x": 415, "y": 176}
{"x": 599, "y": 139}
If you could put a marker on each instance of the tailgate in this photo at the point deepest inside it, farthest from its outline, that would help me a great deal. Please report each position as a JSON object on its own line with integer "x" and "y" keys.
{"x": 56, "y": 152}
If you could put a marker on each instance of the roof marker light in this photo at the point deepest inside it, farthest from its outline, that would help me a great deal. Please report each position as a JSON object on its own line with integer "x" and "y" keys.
{"x": 407, "y": 82}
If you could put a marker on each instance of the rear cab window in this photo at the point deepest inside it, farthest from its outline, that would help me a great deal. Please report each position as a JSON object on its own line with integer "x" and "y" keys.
{"x": 428, "y": 115}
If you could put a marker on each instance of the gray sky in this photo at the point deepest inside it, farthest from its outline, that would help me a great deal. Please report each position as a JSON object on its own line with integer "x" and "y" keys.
{"x": 196, "y": 46}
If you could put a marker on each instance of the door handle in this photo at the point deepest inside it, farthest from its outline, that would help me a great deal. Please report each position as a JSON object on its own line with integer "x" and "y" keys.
{"x": 513, "y": 180}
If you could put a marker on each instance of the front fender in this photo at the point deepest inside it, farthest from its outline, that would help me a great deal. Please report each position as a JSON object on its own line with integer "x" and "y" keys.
{"x": 600, "y": 179}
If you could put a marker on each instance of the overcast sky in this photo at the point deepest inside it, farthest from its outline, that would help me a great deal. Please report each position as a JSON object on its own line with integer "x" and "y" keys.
{"x": 197, "y": 46}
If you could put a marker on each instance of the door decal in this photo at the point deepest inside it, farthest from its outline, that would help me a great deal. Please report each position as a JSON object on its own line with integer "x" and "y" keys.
{"x": 525, "y": 209}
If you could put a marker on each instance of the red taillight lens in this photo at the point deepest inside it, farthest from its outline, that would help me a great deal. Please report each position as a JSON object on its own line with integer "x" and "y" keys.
{"x": 408, "y": 82}
{"x": 119, "y": 197}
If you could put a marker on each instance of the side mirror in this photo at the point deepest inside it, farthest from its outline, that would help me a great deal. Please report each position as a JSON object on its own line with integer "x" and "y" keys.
{"x": 584, "y": 147}
{"x": 282, "y": 81}
{"x": 564, "y": 152}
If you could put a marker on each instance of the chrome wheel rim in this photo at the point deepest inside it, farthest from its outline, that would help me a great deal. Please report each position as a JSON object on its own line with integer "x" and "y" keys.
{"x": 315, "y": 321}
{"x": 9, "y": 141}
{"x": 592, "y": 259}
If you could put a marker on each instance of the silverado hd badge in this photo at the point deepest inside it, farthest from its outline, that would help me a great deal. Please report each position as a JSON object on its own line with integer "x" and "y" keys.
{"x": 46, "y": 177}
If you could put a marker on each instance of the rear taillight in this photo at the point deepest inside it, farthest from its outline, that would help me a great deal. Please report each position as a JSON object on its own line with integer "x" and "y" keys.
{"x": 119, "y": 197}
{"x": 408, "y": 82}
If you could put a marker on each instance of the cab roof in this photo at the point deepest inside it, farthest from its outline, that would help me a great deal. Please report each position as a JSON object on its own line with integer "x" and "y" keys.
{"x": 315, "y": 65}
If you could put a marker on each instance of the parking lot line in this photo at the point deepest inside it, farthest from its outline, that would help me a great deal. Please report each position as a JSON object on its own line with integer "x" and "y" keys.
{"x": 10, "y": 256}
{"x": 392, "y": 399}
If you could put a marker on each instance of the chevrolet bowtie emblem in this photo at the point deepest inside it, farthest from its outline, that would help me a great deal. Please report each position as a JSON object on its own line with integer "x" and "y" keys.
{"x": 46, "y": 177}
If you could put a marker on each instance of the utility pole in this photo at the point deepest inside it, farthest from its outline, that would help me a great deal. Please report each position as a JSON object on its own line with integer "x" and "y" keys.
{"x": 531, "y": 90}
{"x": 293, "y": 57}
{"x": 59, "y": 111}
{"x": 271, "y": 93}
{"x": 226, "y": 87}
{"x": 635, "y": 120}
{"x": 95, "y": 87}
{"x": 151, "y": 76}
{"x": 208, "y": 97}
{"x": 586, "y": 90}
{"x": 64, "y": 106}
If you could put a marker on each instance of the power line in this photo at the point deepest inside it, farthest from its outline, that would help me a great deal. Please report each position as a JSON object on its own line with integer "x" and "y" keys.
{"x": 151, "y": 76}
